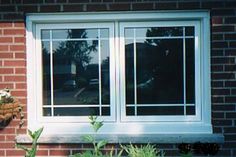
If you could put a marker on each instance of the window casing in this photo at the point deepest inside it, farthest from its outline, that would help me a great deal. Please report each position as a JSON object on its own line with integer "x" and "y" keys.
{"x": 158, "y": 72}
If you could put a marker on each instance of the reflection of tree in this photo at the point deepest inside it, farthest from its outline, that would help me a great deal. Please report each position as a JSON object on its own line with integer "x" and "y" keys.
{"x": 76, "y": 52}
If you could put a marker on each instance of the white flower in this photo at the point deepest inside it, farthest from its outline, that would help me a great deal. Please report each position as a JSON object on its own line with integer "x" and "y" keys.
{"x": 5, "y": 93}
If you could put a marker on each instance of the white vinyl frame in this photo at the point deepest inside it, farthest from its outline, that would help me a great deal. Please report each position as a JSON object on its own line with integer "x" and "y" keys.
{"x": 118, "y": 123}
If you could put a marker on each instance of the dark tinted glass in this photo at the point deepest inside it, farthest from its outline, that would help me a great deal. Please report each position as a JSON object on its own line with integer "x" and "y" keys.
{"x": 160, "y": 71}
{"x": 160, "y": 110}
{"x": 45, "y": 34}
{"x": 129, "y": 71}
{"x": 46, "y": 73}
{"x": 74, "y": 33}
{"x": 47, "y": 112}
{"x": 189, "y": 31}
{"x": 190, "y": 71}
{"x": 190, "y": 110}
{"x": 76, "y": 111}
{"x": 159, "y": 32}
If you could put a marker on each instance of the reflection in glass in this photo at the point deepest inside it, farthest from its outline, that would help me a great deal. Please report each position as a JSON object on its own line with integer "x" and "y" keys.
{"x": 129, "y": 71}
{"x": 46, "y": 73}
{"x": 160, "y": 72}
{"x": 189, "y": 31}
{"x": 160, "y": 110}
{"x": 159, "y": 31}
{"x": 76, "y": 111}
{"x": 76, "y": 68}
{"x": 45, "y": 34}
{"x": 75, "y": 33}
{"x": 190, "y": 72}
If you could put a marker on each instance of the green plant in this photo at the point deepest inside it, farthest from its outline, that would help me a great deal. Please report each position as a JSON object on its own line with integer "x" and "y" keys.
{"x": 143, "y": 151}
{"x": 31, "y": 152}
{"x": 97, "y": 145}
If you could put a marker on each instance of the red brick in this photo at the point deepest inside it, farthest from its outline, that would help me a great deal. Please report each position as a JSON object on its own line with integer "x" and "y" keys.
{"x": 212, "y": 4}
{"x": 166, "y": 5}
{"x": 2, "y": 137}
{"x": 223, "y": 28}
{"x": 217, "y": 68}
{"x": 14, "y": 63}
{"x": 49, "y": 8}
{"x": 28, "y": 8}
{"x": 230, "y": 130}
{"x": 6, "y": 70}
{"x": 8, "y": 8}
{"x": 80, "y": 1}
{"x": 14, "y": 32}
{"x": 15, "y": 152}
{"x": 14, "y": 16}
{"x": 96, "y": 7}
{"x": 223, "y": 76}
{"x": 20, "y": 70}
{"x": 21, "y": 86}
{"x": 230, "y": 99}
{"x": 231, "y": 115}
{"x": 217, "y": 37}
{"x": 230, "y": 68}
{"x": 74, "y": 7}
{"x": 15, "y": 78}
{"x": 42, "y": 153}
{"x": 230, "y": 36}
{"x": 6, "y": 85}
{"x": 10, "y": 137}
{"x": 220, "y": 91}
{"x": 19, "y": 24}
{"x": 143, "y": 6}
{"x": 7, "y": 131}
{"x": 222, "y": 12}
{"x": 20, "y": 55}
{"x": 59, "y": 152}
{"x": 5, "y": 24}
{"x": 3, "y": 48}
{"x": 19, "y": 93}
{"x": 230, "y": 20}
{"x": 17, "y": 48}
{"x": 49, "y": 146}
{"x": 6, "y": 40}
{"x": 222, "y": 107}
{"x": 120, "y": 6}
{"x": 217, "y": 83}
{"x": 189, "y": 5}
{"x": 6, "y": 55}
{"x": 222, "y": 122}
{"x": 218, "y": 115}
{"x": 217, "y": 20}
{"x": 232, "y": 44}
{"x": 7, "y": 144}
{"x": 19, "y": 39}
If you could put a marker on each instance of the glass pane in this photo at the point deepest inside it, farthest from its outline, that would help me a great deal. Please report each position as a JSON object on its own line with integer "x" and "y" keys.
{"x": 130, "y": 111}
{"x": 159, "y": 31}
{"x": 160, "y": 110}
{"x": 75, "y": 72}
{"x": 106, "y": 111}
{"x": 74, "y": 33}
{"x": 47, "y": 112}
{"x": 77, "y": 111}
{"x": 190, "y": 110}
{"x": 46, "y": 73}
{"x": 190, "y": 72}
{"x": 129, "y": 32}
{"x": 104, "y": 33}
{"x": 189, "y": 31}
{"x": 45, "y": 34}
{"x": 105, "y": 72}
{"x": 159, "y": 71}
{"x": 129, "y": 71}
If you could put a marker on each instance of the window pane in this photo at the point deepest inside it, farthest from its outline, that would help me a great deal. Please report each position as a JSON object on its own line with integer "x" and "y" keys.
{"x": 159, "y": 31}
{"x": 77, "y": 111}
{"x": 160, "y": 71}
{"x": 46, "y": 73}
{"x": 74, "y": 33}
{"x": 160, "y": 110}
{"x": 104, "y": 33}
{"x": 129, "y": 32}
{"x": 189, "y": 31}
{"x": 190, "y": 72}
{"x": 45, "y": 34}
{"x": 105, "y": 71}
{"x": 75, "y": 72}
{"x": 129, "y": 71}
{"x": 190, "y": 110}
{"x": 47, "y": 112}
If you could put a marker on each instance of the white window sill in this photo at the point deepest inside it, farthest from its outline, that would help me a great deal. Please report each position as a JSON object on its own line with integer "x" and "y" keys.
{"x": 126, "y": 138}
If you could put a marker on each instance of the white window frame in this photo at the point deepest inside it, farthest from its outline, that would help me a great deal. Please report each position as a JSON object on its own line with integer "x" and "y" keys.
{"x": 201, "y": 123}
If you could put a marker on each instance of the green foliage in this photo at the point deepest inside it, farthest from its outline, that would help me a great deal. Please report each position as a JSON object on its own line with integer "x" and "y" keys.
{"x": 187, "y": 155}
{"x": 142, "y": 151}
{"x": 31, "y": 152}
{"x": 97, "y": 145}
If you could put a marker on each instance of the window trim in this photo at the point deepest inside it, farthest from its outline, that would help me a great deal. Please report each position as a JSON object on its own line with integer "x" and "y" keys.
{"x": 203, "y": 126}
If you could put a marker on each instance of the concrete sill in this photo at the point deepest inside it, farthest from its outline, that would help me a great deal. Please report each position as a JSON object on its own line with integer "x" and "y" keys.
{"x": 124, "y": 138}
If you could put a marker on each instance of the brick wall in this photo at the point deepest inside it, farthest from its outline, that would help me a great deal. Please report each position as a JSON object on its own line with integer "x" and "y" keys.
{"x": 223, "y": 61}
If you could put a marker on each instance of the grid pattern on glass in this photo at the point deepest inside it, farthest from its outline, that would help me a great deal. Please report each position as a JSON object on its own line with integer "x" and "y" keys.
{"x": 76, "y": 74}
{"x": 159, "y": 71}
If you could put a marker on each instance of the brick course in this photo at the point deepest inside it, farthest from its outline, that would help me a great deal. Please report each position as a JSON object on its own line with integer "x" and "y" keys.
{"x": 223, "y": 61}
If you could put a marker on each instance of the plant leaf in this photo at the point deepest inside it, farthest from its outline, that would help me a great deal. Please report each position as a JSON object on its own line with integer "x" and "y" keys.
{"x": 101, "y": 144}
{"x": 88, "y": 138}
